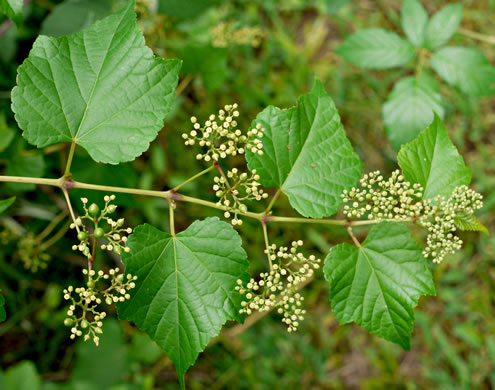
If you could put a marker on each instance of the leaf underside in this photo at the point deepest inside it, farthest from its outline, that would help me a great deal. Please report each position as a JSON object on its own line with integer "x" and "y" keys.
{"x": 433, "y": 161}
{"x": 378, "y": 285}
{"x": 307, "y": 154}
{"x": 186, "y": 286}
{"x": 101, "y": 88}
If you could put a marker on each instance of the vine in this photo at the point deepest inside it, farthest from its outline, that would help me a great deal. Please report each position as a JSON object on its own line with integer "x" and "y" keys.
{"x": 181, "y": 287}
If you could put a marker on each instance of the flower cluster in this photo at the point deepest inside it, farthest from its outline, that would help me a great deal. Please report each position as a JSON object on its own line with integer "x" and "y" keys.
{"x": 278, "y": 288}
{"x": 439, "y": 220}
{"x": 235, "y": 189}
{"x": 87, "y": 301}
{"x": 112, "y": 231}
{"x": 31, "y": 253}
{"x": 378, "y": 198}
{"x": 225, "y": 34}
{"x": 223, "y": 138}
{"x": 399, "y": 200}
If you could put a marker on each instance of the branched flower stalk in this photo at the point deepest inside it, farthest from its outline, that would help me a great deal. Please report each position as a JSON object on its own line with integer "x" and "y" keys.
{"x": 84, "y": 314}
{"x": 279, "y": 287}
{"x": 399, "y": 200}
{"x": 112, "y": 231}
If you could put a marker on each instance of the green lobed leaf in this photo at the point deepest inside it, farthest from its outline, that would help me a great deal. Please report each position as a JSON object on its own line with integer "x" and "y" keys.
{"x": 443, "y": 25}
{"x": 3, "y": 314}
{"x": 414, "y": 18}
{"x": 6, "y": 203}
{"x": 409, "y": 108}
{"x": 13, "y": 9}
{"x": 469, "y": 222}
{"x": 376, "y": 48}
{"x": 378, "y": 285}
{"x": 101, "y": 88}
{"x": 74, "y": 15}
{"x": 433, "y": 161}
{"x": 307, "y": 154}
{"x": 465, "y": 68}
{"x": 186, "y": 286}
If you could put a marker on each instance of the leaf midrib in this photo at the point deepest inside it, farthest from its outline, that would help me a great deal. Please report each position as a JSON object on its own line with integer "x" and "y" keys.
{"x": 96, "y": 81}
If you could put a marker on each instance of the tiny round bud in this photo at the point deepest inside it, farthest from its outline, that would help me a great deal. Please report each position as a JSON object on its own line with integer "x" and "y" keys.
{"x": 94, "y": 209}
{"x": 99, "y": 232}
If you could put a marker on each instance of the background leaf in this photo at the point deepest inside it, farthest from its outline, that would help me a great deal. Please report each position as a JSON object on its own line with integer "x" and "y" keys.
{"x": 414, "y": 18}
{"x": 23, "y": 164}
{"x": 176, "y": 8}
{"x": 307, "y": 154}
{"x": 186, "y": 286}
{"x": 22, "y": 376}
{"x": 466, "y": 68}
{"x": 443, "y": 25}
{"x": 101, "y": 367}
{"x": 376, "y": 48}
{"x": 75, "y": 15}
{"x": 13, "y": 9}
{"x": 433, "y": 161}
{"x": 378, "y": 285}
{"x": 6, "y": 203}
{"x": 409, "y": 108}
{"x": 101, "y": 87}
{"x": 3, "y": 314}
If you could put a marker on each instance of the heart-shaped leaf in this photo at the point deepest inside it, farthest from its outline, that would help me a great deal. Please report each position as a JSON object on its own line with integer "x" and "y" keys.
{"x": 307, "y": 154}
{"x": 378, "y": 285}
{"x": 186, "y": 286}
{"x": 101, "y": 88}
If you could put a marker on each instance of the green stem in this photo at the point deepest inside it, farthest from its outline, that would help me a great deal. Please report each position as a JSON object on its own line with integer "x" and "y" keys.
{"x": 51, "y": 226}
{"x": 354, "y": 238}
{"x": 478, "y": 36}
{"x": 65, "y": 184}
{"x": 55, "y": 238}
{"x": 69, "y": 159}
{"x": 421, "y": 62}
{"x": 272, "y": 201}
{"x": 171, "y": 205}
{"x": 69, "y": 206}
{"x": 267, "y": 244}
{"x": 194, "y": 178}
{"x": 133, "y": 191}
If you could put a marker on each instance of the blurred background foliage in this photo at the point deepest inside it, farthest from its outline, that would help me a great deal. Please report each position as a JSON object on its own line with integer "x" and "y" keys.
{"x": 255, "y": 53}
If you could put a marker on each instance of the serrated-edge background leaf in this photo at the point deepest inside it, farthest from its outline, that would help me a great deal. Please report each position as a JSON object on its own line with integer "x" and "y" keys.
{"x": 376, "y": 48}
{"x": 409, "y": 108}
{"x": 414, "y": 19}
{"x": 466, "y": 68}
{"x": 442, "y": 25}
